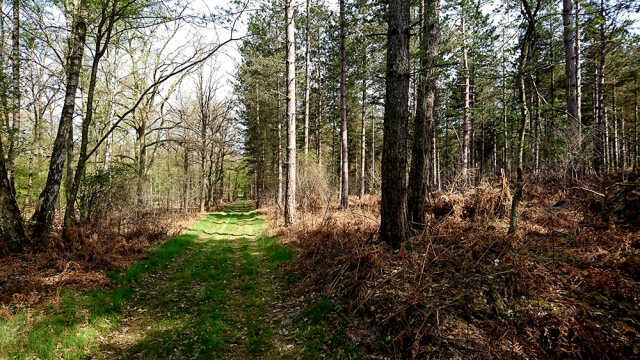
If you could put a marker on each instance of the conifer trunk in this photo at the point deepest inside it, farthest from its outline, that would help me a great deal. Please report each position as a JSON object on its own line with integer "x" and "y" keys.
{"x": 393, "y": 207}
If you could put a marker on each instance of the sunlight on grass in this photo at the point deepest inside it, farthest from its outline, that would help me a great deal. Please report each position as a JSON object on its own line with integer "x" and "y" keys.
{"x": 68, "y": 329}
{"x": 204, "y": 294}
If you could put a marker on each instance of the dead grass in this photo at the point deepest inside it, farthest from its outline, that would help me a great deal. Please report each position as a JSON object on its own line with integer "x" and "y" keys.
{"x": 41, "y": 272}
{"x": 564, "y": 286}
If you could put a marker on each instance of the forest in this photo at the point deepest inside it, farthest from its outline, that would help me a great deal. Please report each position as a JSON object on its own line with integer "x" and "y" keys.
{"x": 347, "y": 179}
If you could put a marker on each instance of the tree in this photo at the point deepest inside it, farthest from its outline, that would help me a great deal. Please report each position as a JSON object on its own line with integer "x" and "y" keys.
{"x": 530, "y": 17}
{"x": 422, "y": 150}
{"x": 11, "y": 228}
{"x": 344, "y": 136}
{"x": 42, "y": 219}
{"x": 109, "y": 15}
{"x": 307, "y": 82}
{"x": 393, "y": 207}
{"x": 570, "y": 59}
{"x": 15, "y": 69}
{"x": 290, "y": 197}
{"x": 467, "y": 128}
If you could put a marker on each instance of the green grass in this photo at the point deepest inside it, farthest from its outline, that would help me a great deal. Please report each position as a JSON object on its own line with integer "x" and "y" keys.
{"x": 205, "y": 294}
{"x": 68, "y": 328}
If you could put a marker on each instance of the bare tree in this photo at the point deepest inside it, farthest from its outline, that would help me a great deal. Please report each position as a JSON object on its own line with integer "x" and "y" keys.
{"x": 42, "y": 219}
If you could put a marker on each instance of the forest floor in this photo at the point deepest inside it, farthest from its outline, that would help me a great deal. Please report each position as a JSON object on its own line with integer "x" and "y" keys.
{"x": 566, "y": 285}
{"x": 215, "y": 291}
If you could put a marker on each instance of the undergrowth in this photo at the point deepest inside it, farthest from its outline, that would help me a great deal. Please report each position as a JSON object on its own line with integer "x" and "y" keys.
{"x": 561, "y": 287}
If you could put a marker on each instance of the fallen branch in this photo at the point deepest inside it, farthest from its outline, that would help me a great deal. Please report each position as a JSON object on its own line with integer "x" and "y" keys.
{"x": 589, "y": 190}
{"x": 366, "y": 217}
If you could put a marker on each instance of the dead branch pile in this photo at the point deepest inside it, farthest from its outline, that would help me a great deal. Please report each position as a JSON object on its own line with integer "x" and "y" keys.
{"x": 483, "y": 201}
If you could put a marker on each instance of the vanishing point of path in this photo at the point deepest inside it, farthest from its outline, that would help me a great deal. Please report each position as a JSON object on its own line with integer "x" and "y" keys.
{"x": 213, "y": 292}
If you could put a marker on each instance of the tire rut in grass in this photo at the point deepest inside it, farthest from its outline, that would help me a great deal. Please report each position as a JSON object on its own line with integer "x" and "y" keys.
{"x": 216, "y": 300}
{"x": 181, "y": 312}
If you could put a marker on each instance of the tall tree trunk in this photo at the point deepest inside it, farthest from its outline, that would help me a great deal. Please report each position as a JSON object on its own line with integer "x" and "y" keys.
{"x": 141, "y": 163}
{"x": 42, "y": 219}
{"x": 394, "y": 227}
{"x": 569, "y": 59}
{"x": 421, "y": 154}
{"x": 15, "y": 69}
{"x": 623, "y": 143}
{"x": 261, "y": 157}
{"x": 290, "y": 198}
{"x": 505, "y": 144}
{"x": 363, "y": 133}
{"x": 344, "y": 194}
{"x": 527, "y": 43}
{"x": 319, "y": 121}
{"x": 616, "y": 143}
{"x": 11, "y": 228}
{"x": 68, "y": 176}
{"x": 597, "y": 136}
{"x": 578, "y": 78}
{"x": 636, "y": 155}
{"x": 100, "y": 49}
{"x": 203, "y": 161}
{"x": 279, "y": 140}
{"x": 372, "y": 169}
{"x": 185, "y": 184}
{"x": 466, "y": 140}
{"x": 4, "y": 103}
{"x": 307, "y": 82}
{"x": 601, "y": 133}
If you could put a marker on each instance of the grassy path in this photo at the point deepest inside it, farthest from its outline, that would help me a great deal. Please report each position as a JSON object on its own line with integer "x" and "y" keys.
{"x": 208, "y": 293}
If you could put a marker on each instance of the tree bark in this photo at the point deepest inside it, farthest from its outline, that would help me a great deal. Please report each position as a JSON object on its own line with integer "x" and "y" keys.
{"x": 344, "y": 194}
{"x": 363, "y": 137}
{"x": 15, "y": 69}
{"x": 527, "y": 42}
{"x": 616, "y": 142}
{"x": 290, "y": 198}
{"x": 393, "y": 208}
{"x": 466, "y": 140}
{"x": 372, "y": 169}
{"x": 636, "y": 155}
{"x": 101, "y": 48}
{"x": 578, "y": 77}
{"x": 319, "y": 121}
{"x": 421, "y": 155}
{"x": 11, "y": 228}
{"x": 601, "y": 132}
{"x": 42, "y": 219}
{"x": 279, "y": 140}
{"x": 307, "y": 82}
{"x": 569, "y": 59}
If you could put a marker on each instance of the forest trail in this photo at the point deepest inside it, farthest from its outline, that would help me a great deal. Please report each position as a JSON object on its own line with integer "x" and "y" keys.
{"x": 215, "y": 300}
{"x": 212, "y": 292}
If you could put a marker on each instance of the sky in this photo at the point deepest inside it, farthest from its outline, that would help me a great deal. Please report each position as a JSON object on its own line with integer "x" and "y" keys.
{"x": 227, "y": 60}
